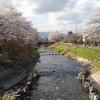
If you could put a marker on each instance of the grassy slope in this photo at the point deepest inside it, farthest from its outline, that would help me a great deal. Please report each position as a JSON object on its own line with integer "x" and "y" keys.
{"x": 84, "y": 52}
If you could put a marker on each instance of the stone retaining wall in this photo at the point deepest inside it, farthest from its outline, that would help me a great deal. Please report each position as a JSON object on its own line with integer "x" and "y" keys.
{"x": 95, "y": 72}
{"x": 14, "y": 81}
{"x": 96, "y": 79}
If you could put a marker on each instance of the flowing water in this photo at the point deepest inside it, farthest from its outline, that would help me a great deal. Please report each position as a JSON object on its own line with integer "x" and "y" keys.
{"x": 58, "y": 79}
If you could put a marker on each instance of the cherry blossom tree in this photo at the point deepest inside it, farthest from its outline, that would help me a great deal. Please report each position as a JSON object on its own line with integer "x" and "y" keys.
{"x": 54, "y": 36}
{"x": 91, "y": 32}
{"x": 13, "y": 25}
{"x": 17, "y": 36}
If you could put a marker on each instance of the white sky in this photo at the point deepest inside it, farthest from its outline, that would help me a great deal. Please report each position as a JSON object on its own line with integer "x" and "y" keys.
{"x": 56, "y": 15}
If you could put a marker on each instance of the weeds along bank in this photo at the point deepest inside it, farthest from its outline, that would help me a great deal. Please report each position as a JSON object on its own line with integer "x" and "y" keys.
{"x": 81, "y": 51}
{"x": 16, "y": 54}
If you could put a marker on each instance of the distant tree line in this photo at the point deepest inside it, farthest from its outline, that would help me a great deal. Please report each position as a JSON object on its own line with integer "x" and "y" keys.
{"x": 69, "y": 38}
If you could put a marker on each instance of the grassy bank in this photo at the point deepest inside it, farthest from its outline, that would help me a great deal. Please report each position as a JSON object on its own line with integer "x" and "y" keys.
{"x": 84, "y": 52}
{"x": 18, "y": 63}
{"x": 18, "y": 66}
{"x": 17, "y": 54}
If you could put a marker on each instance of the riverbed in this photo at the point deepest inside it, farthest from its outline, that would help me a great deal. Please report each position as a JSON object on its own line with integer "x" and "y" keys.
{"x": 58, "y": 79}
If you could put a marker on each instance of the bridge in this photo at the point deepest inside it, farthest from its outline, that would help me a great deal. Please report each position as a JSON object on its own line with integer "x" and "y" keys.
{"x": 46, "y": 43}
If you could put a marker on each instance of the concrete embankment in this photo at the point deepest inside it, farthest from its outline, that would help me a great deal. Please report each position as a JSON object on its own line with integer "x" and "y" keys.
{"x": 14, "y": 78}
{"x": 95, "y": 72}
{"x": 96, "y": 79}
{"x": 23, "y": 90}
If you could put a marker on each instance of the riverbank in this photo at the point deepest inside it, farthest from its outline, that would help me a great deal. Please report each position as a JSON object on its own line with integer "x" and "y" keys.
{"x": 90, "y": 54}
{"x": 14, "y": 81}
{"x": 88, "y": 58}
{"x": 12, "y": 72}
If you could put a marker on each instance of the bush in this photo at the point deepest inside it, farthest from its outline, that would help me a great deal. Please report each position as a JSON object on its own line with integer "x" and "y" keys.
{"x": 18, "y": 52}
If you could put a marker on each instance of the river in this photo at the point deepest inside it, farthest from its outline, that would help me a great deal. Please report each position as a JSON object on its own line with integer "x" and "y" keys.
{"x": 58, "y": 79}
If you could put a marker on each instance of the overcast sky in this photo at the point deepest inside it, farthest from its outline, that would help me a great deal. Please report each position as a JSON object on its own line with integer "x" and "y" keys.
{"x": 53, "y": 15}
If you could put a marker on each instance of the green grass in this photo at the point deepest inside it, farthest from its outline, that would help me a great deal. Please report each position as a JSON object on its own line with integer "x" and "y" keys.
{"x": 8, "y": 97}
{"x": 84, "y": 52}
